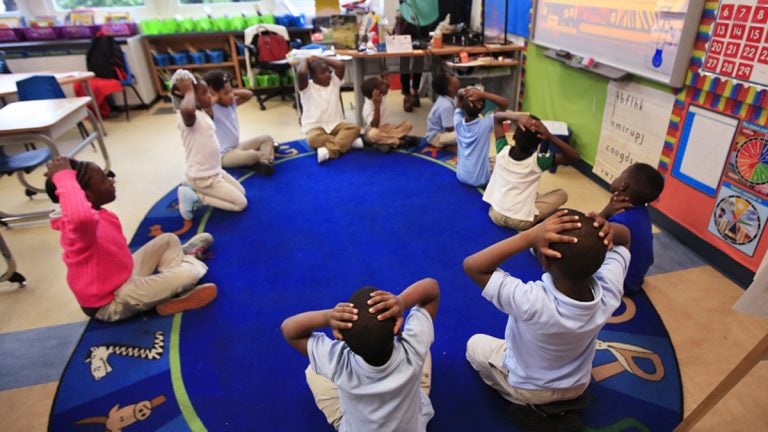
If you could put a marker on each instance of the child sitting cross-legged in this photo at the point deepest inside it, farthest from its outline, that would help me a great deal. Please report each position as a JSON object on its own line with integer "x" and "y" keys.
{"x": 108, "y": 282}
{"x": 512, "y": 191}
{"x": 257, "y": 152}
{"x": 322, "y": 119}
{"x": 380, "y": 133}
{"x": 631, "y": 192}
{"x": 373, "y": 377}
{"x": 552, "y": 325}
{"x": 207, "y": 183}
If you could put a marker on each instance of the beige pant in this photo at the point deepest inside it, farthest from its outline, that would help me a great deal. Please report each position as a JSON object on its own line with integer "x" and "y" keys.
{"x": 161, "y": 270}
{"x": 444, "y": 139}
{"x": 326, "y": 393}
{"x": 486, "y": 355}
{"x": 337, "y": 142}
{"x": 545, "y": 204}
{"x": 389, "y": 134}
{"x": 256, "y": 149}
{"x": 220, "y": 191}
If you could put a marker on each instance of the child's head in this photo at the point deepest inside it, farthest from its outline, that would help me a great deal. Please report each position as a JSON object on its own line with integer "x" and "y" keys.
{"x": 374, "y": 83}
{"x": 640, "y": 182}
{"x": 320, "y": 72}
{"x": 98, "y": 187}
{"x": 202, "y": 98}
{"x": 445, "y": 83}
{"x": 582, "y": 259}
{"x": 370, "y": 338}
{"x": 526, "y": 140}
{"x": 220, "y": 82}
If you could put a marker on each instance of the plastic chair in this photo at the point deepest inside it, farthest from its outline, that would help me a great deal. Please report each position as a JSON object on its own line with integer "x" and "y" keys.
{"x": 129, "y": 81}
{"x": 21, "y": 163}
{"x": 4, "y": 64}
{"x": 10, "y": 274}
{"x": 252, "y": 63}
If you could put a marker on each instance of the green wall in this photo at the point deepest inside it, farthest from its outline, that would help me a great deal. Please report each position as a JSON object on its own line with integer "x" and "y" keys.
{"x": 554, "y": 91}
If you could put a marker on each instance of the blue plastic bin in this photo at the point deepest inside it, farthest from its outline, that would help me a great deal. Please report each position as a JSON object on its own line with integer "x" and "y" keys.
{"x": 161, "y": 59}
{"x": 180, "y": 58}
{"x": 215, "y": 55}
{"x": 197, "y": 57}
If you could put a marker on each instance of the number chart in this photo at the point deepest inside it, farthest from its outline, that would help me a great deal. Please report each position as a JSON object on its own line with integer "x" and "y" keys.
{"x": 738, "y": 47}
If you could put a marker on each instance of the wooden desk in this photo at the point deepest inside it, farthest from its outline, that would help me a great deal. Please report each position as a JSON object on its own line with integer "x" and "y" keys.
{"x": 359, "y": 60}
{"x": 8, "y": 87}
{"x": 44, "y": 121}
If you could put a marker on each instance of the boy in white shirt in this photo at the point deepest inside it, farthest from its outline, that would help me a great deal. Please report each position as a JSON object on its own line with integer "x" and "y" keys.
{"x": 372, "y": 377}
{"x": 322, "y": 120}
{"x": 380, "y": 133}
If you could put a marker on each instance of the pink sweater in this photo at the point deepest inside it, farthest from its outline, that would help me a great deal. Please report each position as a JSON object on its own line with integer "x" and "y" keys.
{"x": 95, "y": 250}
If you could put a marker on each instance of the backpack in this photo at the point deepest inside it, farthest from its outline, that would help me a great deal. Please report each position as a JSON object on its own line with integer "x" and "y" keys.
{"x": 270, "y": 46}
{"x": 105, "y": 58}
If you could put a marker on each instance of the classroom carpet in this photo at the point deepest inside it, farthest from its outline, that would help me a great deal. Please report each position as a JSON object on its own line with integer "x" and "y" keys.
{"x": 310, "y": 236}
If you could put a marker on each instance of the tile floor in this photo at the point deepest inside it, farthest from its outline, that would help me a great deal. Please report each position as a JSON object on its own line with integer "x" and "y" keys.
{"x": 41, "y": 323}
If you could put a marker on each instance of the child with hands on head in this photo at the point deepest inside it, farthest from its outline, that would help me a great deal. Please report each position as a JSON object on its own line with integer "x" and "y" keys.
{"x": 549, "y": 342}
{"x": 108, "y": 282}
{"x": 207, "y": 182}
{"x": 257, "y": 152}
{"x": 631, "y": 192}
{"x": 379, "y": 132}
{"x": 512, "y": 190}
{"x": 322, "y": 119}
{"x": 376, "y": 375}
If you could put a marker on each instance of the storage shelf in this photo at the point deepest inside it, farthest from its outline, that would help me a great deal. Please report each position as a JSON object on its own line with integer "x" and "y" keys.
{"x": 196, "y": 66}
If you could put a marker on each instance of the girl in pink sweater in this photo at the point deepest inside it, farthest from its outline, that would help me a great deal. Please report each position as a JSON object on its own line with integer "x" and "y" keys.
{"x": 108, "y": 282}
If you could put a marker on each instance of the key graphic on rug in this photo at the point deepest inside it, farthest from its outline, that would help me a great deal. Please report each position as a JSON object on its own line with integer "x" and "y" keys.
{"x": 99, "y": 354}
{"x": 120, "y": 418}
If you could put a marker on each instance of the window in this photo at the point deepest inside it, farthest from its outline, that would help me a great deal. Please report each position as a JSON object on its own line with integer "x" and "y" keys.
{"x": 74, "y": 4}
{"x": 215, "y": 1}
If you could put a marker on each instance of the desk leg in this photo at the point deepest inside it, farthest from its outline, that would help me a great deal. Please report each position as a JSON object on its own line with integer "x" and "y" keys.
{"x": 358, "y": 86}
{"x": 100, "y": 139}
{"x": 95, "y": 106}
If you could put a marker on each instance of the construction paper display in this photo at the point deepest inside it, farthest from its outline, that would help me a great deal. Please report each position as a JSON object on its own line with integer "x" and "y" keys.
{"x": 738, "y": 218}
{"x": 748, "y": 161}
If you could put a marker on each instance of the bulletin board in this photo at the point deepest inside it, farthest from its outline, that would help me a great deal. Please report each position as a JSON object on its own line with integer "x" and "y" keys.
{"x": 738, "y": 47}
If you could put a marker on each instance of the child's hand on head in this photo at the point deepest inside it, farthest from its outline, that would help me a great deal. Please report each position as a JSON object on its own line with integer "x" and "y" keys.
{"x": 387, "y": 305}
{"x": 606, "y": 233}
{"x": 341, "y": 318}
{"x": 548, "y": 232}
{"x": 59, "y": 163}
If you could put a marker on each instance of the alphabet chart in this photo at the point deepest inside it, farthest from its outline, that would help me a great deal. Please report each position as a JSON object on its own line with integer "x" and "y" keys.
{"x": 738, "y": 47}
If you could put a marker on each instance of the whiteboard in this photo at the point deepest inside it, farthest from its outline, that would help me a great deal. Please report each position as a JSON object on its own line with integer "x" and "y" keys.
{"x": 648, "y": 38}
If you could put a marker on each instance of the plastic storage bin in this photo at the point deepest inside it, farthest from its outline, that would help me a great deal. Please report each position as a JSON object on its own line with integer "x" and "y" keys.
{"x": 41, "y": 33}
{"x": 77, "y": 31}
{"x": 204, "y": 24}
{"x": 150, "y": 26}
{"x": 119, "y": 29}
{"x": 197, "y": 57}
{"x": 215, "y": 55}
{"x": 10, "y": 35}
{"x": 180, "y": 58}
{"x": 161, "y": 59}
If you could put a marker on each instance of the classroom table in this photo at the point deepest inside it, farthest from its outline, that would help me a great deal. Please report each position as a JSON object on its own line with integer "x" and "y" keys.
{"x": 371, "y": 64}
{"x": 44, "y": 121}
{"x": 8, "y": 86}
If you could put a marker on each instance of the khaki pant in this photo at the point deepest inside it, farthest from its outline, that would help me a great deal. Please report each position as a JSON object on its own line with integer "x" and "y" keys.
{"x": 249, "y": 152}
{"x": 444, "y": 139}
{"x": 326, "y": 393}
{"x": 389, "y": 134}
{"x": 486, "y": 355}
{"x": 546, "y": 204}
{"x": 337, "y": 142}
{"x": 221, "y": 191}
{"x": 161, "y": 270}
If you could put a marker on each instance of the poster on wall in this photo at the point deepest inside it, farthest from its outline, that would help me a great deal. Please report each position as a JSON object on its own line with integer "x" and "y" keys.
{"x": 634, "y": 126}
{"x": 738, "y": 47}
{"x": 703, "y": 148}
{"x": 738, "y": 218}
{"x": 748, "y": 160}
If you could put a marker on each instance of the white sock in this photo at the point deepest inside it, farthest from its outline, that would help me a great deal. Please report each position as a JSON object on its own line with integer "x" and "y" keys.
{"x": 357, "y": 143}
{"x": 322, "y": 155}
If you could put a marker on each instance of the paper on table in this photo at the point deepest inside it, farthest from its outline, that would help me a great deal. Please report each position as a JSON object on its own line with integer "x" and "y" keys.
{"x": 755, "y": 300}
{"x": 556, "y": 127}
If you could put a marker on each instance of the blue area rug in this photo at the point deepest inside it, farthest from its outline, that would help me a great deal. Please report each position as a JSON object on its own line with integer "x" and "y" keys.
{"x": 310, "y": 236}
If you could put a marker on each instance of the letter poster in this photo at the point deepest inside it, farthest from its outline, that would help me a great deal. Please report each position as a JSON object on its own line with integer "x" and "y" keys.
{"x": 634, "y": 126}
{"x": 738, "y": 47}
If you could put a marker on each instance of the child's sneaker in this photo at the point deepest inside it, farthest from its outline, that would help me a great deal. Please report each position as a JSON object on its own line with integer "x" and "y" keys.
{"x": 188, "y": 201}
{"x": 264, "y": 168}
{"x": 198, "y": 245}
{"x": 357, "y": 143}
{"x": 197, "y": 297}
{"x": 323, "y": 155}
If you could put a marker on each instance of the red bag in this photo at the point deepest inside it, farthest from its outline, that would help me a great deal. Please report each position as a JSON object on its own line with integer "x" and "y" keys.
{"x": 271, "y": 47}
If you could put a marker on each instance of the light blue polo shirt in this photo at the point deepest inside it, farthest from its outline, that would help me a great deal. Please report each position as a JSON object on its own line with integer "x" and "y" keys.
{"x": 227, "y": 126}
{"x": 473, "y": 141}
{"x": 440, "y": 116}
